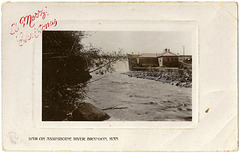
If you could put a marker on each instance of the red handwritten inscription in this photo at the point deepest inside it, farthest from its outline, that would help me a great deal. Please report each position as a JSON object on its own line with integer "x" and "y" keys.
{"x": 14, "y": 28}
{"x": 29, "y": 26}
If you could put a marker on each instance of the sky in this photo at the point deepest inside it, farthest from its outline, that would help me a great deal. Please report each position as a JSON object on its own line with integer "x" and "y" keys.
{"x": 141, "y": 41}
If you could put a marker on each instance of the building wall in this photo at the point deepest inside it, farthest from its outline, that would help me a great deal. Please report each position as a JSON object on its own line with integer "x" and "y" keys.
{"x": 132, "y": 61}
{"x": 168, "y": 61}
{"x": 160, "y": 61}
{"x": 136, "y": 62}
{"x": 148, "y": 62}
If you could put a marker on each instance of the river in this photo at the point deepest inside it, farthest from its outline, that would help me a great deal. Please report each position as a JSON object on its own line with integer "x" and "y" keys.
{"x": 126, "y": 98}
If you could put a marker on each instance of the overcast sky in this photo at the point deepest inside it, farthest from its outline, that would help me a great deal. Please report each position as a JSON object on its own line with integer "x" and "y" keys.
{"x": 143, "y": 42}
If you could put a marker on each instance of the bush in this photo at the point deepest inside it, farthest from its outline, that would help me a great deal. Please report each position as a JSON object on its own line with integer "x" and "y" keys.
{"x": 66, "y": 71}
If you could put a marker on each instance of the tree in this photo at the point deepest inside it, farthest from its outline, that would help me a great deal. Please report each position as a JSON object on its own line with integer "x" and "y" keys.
{"x": 66, "y": 69}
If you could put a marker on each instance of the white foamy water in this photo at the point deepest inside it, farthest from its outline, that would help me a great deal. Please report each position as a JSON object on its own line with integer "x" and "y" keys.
{"x": 121, "y": 66}
{"x": 134, "y": 99}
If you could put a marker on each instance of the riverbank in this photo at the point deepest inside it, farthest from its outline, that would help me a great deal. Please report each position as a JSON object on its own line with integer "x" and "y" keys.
{"x": 182, "y": 78}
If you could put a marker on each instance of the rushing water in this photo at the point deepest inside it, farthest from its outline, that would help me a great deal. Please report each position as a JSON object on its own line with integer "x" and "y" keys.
{"x": 134, "y": 99}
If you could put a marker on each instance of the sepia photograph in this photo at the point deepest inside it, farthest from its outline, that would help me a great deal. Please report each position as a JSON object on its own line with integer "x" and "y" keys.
{"x": 127, "y": 76}
{"x": 116, "y": 76}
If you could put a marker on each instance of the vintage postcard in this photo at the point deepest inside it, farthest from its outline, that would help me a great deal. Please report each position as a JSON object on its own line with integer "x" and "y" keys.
{"x": 106, "y": 72}
{"x": 147, "y": 76}
{"x": 116, "y": 77}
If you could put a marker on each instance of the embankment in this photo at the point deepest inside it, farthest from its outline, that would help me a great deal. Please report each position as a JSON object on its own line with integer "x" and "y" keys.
{"x": 178, "y": 77}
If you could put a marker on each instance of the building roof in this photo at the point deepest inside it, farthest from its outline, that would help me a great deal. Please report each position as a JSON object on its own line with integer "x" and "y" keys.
{"x": 167, "y": 53}
{"x": 156, "y": 55}
{"x": 133, "y": 55}
{"x": 149, "y": 55}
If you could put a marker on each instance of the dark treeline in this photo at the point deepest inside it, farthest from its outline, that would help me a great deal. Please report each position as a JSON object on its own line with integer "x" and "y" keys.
{"x": 66, "y": 68}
